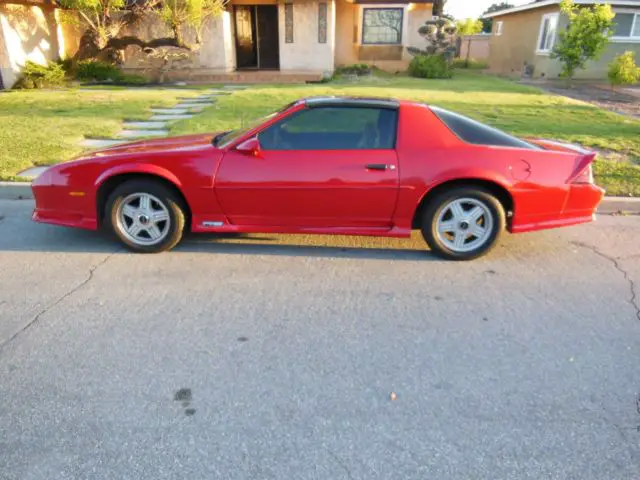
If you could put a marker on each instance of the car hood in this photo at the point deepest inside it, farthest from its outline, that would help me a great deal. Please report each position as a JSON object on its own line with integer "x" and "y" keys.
{"x": 169, "y": 144}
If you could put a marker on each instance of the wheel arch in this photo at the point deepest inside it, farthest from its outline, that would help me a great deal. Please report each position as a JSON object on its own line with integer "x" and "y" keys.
{"x": 497, "y": 190}
{"x": 109, "y": 183}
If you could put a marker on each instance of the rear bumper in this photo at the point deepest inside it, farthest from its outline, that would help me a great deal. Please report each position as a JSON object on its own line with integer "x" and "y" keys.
{"x": 580, "y": 206}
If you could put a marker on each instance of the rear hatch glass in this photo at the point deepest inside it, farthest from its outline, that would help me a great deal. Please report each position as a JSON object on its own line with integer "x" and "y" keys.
{"x": 472, "y": 131}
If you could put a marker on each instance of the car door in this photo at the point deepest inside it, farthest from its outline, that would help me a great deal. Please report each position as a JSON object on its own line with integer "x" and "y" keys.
{"x": 322, "y": 167}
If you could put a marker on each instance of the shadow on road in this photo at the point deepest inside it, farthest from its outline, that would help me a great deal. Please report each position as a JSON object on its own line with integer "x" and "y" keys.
{"x": 44, "y": 238}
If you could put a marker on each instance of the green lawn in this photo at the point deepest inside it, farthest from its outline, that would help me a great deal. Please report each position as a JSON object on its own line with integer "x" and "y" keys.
{"x": 43, "y": 127}
{"x": 518, "y": 109}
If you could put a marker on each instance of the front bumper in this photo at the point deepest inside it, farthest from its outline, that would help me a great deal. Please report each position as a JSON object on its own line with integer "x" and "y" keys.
{"x": 59, "y": 204}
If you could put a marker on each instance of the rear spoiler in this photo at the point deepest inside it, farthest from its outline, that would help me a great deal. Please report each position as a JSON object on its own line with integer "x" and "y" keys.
{"x": 583, "y": 160}
{"x": 560, "y": 146}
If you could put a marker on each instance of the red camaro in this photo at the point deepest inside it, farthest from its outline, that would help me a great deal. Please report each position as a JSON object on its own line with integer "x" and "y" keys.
{"x": 351, "y": 166}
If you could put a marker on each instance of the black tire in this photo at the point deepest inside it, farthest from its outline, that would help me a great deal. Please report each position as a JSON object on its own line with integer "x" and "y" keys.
{"x": 442, "y": 201}
{"x": 170, "y": 201}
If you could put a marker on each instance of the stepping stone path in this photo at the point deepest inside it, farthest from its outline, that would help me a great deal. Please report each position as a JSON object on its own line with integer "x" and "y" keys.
{"x": 169, "y": 118}
{"x": 100, "y": 142}
{"x": 156, "y": 126}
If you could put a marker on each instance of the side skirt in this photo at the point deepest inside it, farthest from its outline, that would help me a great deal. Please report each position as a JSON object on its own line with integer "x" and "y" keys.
{"x": 213, "y": 226}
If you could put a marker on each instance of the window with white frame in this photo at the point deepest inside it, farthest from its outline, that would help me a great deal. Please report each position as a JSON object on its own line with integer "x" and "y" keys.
{"x": 382, "y": 26}
{"x": 548, "y": 30}
{"x": 499, "y": 26}
{"x": 626, "y": 25}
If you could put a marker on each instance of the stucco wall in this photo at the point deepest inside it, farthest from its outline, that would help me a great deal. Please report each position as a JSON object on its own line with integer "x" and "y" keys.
{"x": 475, "y": 46}
{"x": 594, "y": 70}
{"x": 28, "y": 33}
{"x": 516, "y": 47}
{"x": 598, "y": 69}
{"x": 349, "y": 34}
{"x": 346, "y": 33}
{"x": 306, "y": 53}
{"x": 216, "y": 52}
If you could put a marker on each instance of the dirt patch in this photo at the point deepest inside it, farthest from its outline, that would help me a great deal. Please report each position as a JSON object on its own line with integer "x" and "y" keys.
{"x": 617, "y": 101}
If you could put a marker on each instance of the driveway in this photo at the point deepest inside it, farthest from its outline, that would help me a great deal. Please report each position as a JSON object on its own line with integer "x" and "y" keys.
{"x": 247, "y": 358}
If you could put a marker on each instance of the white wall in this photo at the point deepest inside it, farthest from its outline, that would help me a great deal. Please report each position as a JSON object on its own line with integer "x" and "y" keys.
{"x": 218, "y": 48}
{"x": 28, "y": 33}
{"x": 305, "y": 53}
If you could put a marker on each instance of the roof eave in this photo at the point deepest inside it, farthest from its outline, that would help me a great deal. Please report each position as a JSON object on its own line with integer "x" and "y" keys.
{"x": 547, "y": 3}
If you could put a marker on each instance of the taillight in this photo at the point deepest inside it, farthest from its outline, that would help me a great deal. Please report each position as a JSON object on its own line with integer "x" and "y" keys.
{"x": 582, "y": 172}
{"x": 586, "y": 176}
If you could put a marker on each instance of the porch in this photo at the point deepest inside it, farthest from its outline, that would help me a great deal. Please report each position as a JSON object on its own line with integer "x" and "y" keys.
{"x": 247, "y": 76}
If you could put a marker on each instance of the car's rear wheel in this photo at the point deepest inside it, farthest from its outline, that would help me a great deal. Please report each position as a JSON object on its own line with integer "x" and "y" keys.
{"x": 463, "y": 223}
{"x": 146, "y": 216}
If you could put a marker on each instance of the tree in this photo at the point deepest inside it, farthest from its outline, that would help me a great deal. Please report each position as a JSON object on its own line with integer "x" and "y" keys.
{"x": 585, "y": 37}
{"x": 193, "y": 13}
{"x": 438, "y": 8}
{"x": 469, "y": 26}
{"x": 104, "y": 20}
{"x": 440, "y": 35}
{"x": 623, "y": 70}
{"x": 487, "y": 23}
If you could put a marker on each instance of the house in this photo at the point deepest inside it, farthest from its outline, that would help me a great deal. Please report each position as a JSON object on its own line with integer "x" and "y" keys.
{"x": 29, "y": 30}
{"x": 306, "y": 39}
{"x": 253, "y": 40}
{"x": 523, "y": 37}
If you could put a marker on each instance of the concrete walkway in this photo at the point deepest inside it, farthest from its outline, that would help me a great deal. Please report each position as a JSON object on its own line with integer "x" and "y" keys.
{"x": 158, "y": 124}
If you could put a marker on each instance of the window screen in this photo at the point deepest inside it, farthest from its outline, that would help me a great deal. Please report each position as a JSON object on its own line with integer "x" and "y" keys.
{"x": 548, "y": 32}
{"x": 382, "y": 26}
{"x": 333, "y": 128}
{"x": 471, "y": 131}
{"x": 623, "y": 25}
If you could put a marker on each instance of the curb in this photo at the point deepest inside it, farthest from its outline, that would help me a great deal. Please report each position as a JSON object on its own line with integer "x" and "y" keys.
{"x": 610, "y": 205}
{"x": 620, "y": 205}
{"x": 15, "y": 191}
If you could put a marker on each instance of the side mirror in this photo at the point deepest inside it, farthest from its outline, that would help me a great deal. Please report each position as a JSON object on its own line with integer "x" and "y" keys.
{"x": 250, "y": 147}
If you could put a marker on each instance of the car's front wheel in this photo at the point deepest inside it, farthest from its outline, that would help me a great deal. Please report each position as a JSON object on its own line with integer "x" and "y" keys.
{"x": 463, "y": 223}
{"x": 146, "y": 216}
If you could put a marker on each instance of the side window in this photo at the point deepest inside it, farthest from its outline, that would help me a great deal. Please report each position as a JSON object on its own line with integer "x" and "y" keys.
{"x": 333, "y": 128}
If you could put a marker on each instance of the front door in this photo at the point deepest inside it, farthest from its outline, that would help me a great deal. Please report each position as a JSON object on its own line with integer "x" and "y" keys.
{"x": 257, "y": 43}
{"x": 320, "y": 168}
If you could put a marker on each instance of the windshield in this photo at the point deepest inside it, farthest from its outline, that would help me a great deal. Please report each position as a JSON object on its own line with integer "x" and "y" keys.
{"x": 228, "y": 137}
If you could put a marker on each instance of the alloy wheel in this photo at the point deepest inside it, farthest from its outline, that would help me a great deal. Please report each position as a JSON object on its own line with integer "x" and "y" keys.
{"x": 464, "y": 224}
{"x": 143, "y": 219}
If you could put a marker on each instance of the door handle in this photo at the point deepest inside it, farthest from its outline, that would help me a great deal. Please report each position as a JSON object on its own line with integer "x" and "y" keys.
{"x": 379, "y": 166}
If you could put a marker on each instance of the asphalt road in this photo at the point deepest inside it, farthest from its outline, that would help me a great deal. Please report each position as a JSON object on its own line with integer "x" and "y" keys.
{"x": 268, "y": 357}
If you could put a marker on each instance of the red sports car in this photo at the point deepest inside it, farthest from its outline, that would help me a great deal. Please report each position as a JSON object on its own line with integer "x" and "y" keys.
{"x": 329, "y": 165}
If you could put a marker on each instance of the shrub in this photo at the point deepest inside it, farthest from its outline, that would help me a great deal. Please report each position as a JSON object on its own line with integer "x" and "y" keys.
{"x": 430, "y": 66}
{"x": 623, "y": 69}
{"x": 471, "y": 64}
{"x": 35, "y": 75}
{"x": 66, "y": 64}
{"x": 129, "y": 79}
{"x": 97, "y": 71}
{"x": 360, "y": 69}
